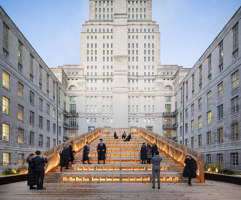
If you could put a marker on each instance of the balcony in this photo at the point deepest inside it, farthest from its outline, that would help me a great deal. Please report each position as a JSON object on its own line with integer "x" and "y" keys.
{"x": 73, "y": 126}
{"x": 65, "y": 125}
{"x": 71, "y": 113}
{"x": 169, "y": 126}
{"x": 169, "y": 114}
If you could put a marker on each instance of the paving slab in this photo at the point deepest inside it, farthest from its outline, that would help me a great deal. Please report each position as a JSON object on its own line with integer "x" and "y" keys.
{"x": 211, "y": 190}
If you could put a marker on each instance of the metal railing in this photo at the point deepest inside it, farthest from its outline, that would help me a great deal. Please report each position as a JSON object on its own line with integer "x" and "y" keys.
{"x": 175, "y": 150}
{"x": 78, "y": 143}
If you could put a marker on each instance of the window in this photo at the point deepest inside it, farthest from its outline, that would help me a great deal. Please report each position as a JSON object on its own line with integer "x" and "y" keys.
{"x": 186, "y": 113}
{"x": 6, "y": 159}
{"x": 192, "y": 125}
{"x": 235, "y": 79}
{"x": 234, "y": 105}
{"x": 209, "y": 98}
{"x": 40, "y": 76}
{"x": 186, "y": 128}
{"x": 220, "y": 112}
{"x": 31, "y": 68}
{"x": 20, "y": 159}
{"x": 31, "y": 98}
{"x": 220, "y": 136}
{"x": 40, "y": 122}
{"x": 200, "y": 77}
{"x": 200, "y": 102}
{"x": 193, "y": 83}
{"x": 20, "y": 56}
{"x": 5, "y": 132}
{"x": 220, "y": 89}
{"x": 208, "y": 159}
{"x": 209, "y": 67}
{"x": 5, "y": 79}
{"x": 20, "y": 112}
{"x": 5, "y": 40}
{"x": 167, "y": 108}
{"x": 5, "y": 105}
{"x": 234, "y": 158}
{"x": 40, "y": 142}
{"x": 220, "y": 56}
{"x": 31, "y": 120}
{"x": 40, "y": 104}
{"x": 192, "y": 109}
{"x": 48, "y": 142}
{"x": 200, "y": 140}
{"x": 209, "y": 117}
{"x": 235, "y": 41}
{"x": 235, "y": 131}
{"x": 220, "y": 158}
{"x": 54, "y": 113}
{"x": 168, "y": 98}
{"x": 192, "y": 142}
{"x": 48, "y": 109}
{"x": 32, "y": 138}
{"x": 200, "y": 122}
{"x": 208, "y": 138}
{"x": 20, "y": 135}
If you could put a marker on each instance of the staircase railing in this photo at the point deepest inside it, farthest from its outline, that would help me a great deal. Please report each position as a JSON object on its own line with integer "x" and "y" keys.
{"x": 175, "y": 150}
{"x": 78, "y": 143}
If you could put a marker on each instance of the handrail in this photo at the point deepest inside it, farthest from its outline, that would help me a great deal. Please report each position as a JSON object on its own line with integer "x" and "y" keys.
{"x": 175, "y": 150}
{"x": 78, "y": 143}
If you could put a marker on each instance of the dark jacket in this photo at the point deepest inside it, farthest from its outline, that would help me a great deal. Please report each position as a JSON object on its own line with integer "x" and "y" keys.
{"x": 64, "y": 157}
{"x": 86, "y": 153}
{"x": 148, "y": 152}
{"x": 31, "y": 177}
{"x": 38, "y": 163}
{"x": 190, "y": 168}
{"x": 71, "y": 153}
{"x": 143, "y": 152}
{"x": 101, "y": 149}
{"x": 154, "y": 149}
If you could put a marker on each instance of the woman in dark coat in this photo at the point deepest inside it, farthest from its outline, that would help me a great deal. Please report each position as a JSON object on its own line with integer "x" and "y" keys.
{"x": 71, "y": 153}
{"x": 190, "y": 169}
{"x": 101, "y": 149}
{"x": 154, "y": 149}
{"x": 143, "y": 154}
{"x": 86, "y": 153}
{"x": 148, "y": 153}
{"x": 64, "y": 158}
{"x": 31, "y": 178}
{"x": 115, "y": 135}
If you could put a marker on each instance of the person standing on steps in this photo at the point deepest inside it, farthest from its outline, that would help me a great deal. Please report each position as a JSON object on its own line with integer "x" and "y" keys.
{"x": 86, "y": 153}
{"x": 156, "y": 160}
{"x": 31, "y": 178}
{"x": 148, "y": 153}
{"x": 38, "y": 164}
{"x": 71, "y": 152}
{"x": 190, "y": 169}
{"x": 143, "y": 153}
{"x": 154, "y": 149}
{"x": 101, "y": 149}
{"x": 64, "y": 158}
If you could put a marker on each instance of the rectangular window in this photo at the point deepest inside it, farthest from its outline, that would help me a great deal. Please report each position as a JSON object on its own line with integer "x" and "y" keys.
{"x": 209, "y": 138}
{"x": 5, "y": 105}
{"x": 220, "y": 112}
{"x": 5, "y": 40}
{"x": 20, "y": 89}
{"x": 186, "y": 128}
{"x": 48, "y": 109}
{"x": 234, "y": 105}
{"x": 220, "y": 89}
{"x": 31, "y": 120}
{"x": 5, "y": 79}
{"x": 200, "y": 122}
{"x": 192, "y": 142}
{"x": 48, "y": 142}
{"x": 209, "y": 117}
{"x": 200, "y": 140}
{"x": 220, "y": 56}
{"x": 208, "y": 159}
{"x": 54, "y": 113}
{"x": 200, "y": 77}
{"x": 235, "y": 41}
{"x": 5, "y": 132}
{"x": 168, "y": 98}
{"x": 235, "y": 79}
{"x": 200, "y": 103}
{"x": 209, "y": 98}
{"x": 192, "y": 109}
{"x": 40, "y": 104}
{"x": 54, "y": 128}
{"x": 47, "y": 84}
{"x": 31, "y": 98}
{"x": 40, "y": 122}
{"x": 20, "y": 112}
{"x": 220, "y": 136}
{"x": 40, "y": 76}
{"x": 220, "y": 158}
{"x": 48, "y": 125}
{"x": 31, "y": 68}
{"x": 235, "y": 132}
{"x": 209, "y": 67}
{"x": 32, "y": 138}
{"x": 6, "y": 159}
{"x": 40, "y": 142}
{"x": 20, "y": 159}
{"x": 192, "y": 124}
{"x": 193, "y": 83}
{"x": 20, "y": 135}
{"x": 234, "y": 159}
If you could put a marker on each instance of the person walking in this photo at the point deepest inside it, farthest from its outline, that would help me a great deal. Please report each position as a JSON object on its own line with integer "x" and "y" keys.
{"x": 190, "y": 169}
{"x": 156, "y": 160}
{"x": 143, "y": 153}
{"x": 86, "y": 153}
{"x": 148, "y": 153}
{"x": 154, "y": 149}
{"x": 64, "y": 158}
{"x": 38, "y": 164}
{"x": 101, "y": 149}
{"x": 31, "y": 176}
{"x": 71, "y": 153}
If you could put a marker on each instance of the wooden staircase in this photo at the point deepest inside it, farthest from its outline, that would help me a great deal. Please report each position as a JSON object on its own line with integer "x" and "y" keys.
{"x": 122, "y": 164}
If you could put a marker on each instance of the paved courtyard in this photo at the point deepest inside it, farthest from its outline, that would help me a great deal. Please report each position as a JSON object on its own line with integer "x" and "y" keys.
{"x": 97, "y": 191}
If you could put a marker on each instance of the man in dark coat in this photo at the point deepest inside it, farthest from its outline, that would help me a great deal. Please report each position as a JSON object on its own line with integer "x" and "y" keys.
{"x": 128, "y": 138}
{"x": 31, "y": 178}
{"x": 38, "y": 163}
{"x": 115, "y": 135}
{"x": 71, "y": 153}
{"x": 86, "y": 153}
{"x": 190, "y": 169}
{"x": 64, "y": 158}
{"x": 101, "y": 149}
{"x": 143, "y": 153}
{"x": 154, "y": 149}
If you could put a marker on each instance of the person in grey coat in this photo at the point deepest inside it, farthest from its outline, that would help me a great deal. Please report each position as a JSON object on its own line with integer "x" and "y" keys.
{"x": 156, "y": 160}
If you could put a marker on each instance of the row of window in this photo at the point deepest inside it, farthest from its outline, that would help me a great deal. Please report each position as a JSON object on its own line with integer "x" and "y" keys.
{"x": 219, "y": 159}
{"x": 133, "y": 10}
{"x": 140, "y": 30}
{"x": 103, "y": 30}
{"x": 136, "y": 3}
{"x": 104, "y": 17}
{"x": 146, "y": 45}
{"x": 107, "y": 10}
{"x": 104, "y": 3}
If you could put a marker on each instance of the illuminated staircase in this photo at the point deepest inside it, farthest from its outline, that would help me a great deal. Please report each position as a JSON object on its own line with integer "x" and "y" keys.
{"x": 123, "y": 164}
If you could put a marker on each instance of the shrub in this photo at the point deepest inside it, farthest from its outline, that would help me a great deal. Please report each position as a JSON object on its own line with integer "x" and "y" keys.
{"x": 22, "y": 169}
{"x": 8, "y": 171}
{"x": 227, "y": 171}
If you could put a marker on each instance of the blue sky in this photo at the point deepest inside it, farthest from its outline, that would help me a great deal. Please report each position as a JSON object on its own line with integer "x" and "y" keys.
{"x": 187, "y": 27}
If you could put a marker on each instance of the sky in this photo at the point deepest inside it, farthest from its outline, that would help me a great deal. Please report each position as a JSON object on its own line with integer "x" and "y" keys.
{"x": 187, "y": 27}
